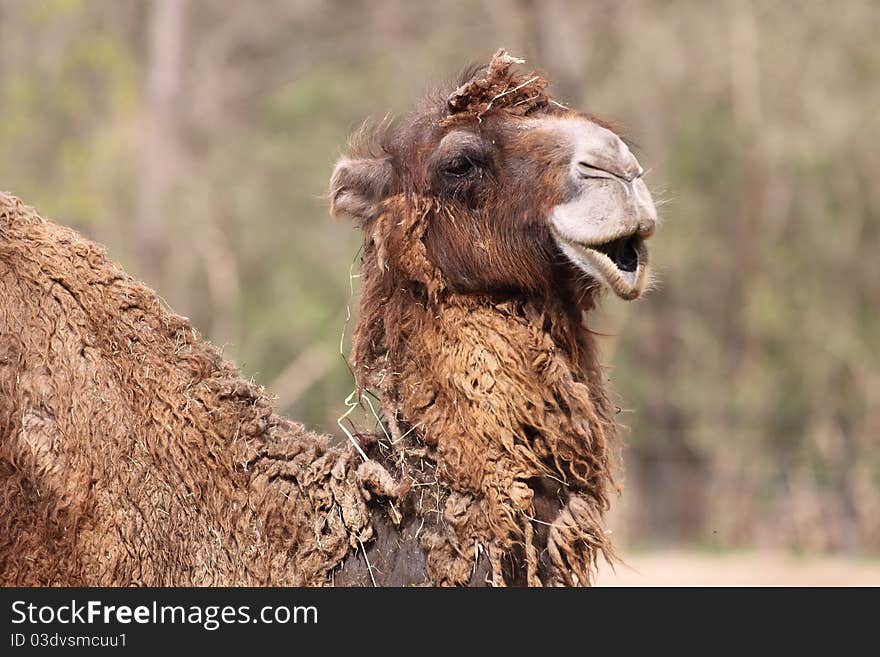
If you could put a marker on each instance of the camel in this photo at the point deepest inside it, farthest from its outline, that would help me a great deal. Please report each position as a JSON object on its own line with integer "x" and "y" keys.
{"x": 132, "y": 453}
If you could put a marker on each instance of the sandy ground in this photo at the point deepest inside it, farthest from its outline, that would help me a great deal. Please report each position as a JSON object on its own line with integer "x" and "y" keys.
{"x": 681, "y": 568}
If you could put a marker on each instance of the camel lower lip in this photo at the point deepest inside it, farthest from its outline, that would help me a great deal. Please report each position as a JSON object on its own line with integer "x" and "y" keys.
{"x": 621, "y": 263}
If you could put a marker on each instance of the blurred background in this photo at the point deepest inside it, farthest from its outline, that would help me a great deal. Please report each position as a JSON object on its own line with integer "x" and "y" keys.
{"x": 195, "y": 139}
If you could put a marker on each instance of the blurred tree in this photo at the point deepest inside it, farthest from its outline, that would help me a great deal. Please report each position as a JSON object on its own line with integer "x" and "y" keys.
{"x": 196, "y": 138}
{"x": 164, "y": 64}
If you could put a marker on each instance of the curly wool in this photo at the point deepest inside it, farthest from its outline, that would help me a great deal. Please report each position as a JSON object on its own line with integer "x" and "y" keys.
{"x": 132, "y": 453}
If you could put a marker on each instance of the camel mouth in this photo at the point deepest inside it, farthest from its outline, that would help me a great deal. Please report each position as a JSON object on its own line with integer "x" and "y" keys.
{"x": 623, "y": 252}
{"x": 621, "y": 262}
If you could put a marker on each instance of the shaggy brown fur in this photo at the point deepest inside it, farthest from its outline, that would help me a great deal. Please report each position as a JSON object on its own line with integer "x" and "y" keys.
{"x": 471, "y": 332}
{"x": 504, "y": 399}
{"x": 131, "y": 452}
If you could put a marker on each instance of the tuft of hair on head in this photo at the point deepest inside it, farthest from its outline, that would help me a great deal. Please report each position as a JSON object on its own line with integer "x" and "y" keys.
{"x": 494, "y": 86}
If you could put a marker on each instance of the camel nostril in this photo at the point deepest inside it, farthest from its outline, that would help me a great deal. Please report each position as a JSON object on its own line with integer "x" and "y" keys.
{"x": 626, "y": 174}
{"x": 587, "y": 170}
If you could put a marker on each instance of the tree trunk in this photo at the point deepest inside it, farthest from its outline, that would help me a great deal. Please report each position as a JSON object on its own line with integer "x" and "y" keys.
{"x": 160, "y": 136}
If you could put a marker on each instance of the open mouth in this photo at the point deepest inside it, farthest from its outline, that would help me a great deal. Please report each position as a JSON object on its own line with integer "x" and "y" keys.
{"x": 621, "y": 262}
{"x": 623, "y": 252}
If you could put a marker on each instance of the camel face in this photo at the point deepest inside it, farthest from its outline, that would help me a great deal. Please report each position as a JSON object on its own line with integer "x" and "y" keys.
{"x": 512, "y": 178}
{"x": 506, "y": 191}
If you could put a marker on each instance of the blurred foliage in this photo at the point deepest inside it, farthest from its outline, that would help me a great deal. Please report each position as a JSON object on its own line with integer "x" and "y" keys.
{"x": 750, "y": 377}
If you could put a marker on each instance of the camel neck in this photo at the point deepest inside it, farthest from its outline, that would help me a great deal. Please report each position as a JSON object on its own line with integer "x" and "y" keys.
{"x": 498, "y": 418}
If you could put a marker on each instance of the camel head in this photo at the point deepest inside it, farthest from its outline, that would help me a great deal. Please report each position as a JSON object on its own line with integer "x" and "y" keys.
{"x": 495, "y": 188}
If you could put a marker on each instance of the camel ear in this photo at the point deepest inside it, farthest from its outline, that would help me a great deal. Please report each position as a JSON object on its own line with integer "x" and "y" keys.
{"x": 357, "y": 186}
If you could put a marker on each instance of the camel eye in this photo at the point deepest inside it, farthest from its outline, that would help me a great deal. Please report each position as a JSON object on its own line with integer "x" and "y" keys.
{"x": 459, "y": 167}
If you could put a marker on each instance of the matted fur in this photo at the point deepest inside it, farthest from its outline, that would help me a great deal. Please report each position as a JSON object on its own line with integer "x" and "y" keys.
{"x": 502, "y": 397}
{"x": 497, "y": 86}
{"x": 132, "y": 453}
